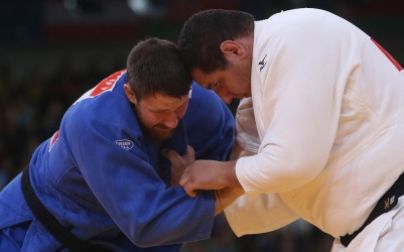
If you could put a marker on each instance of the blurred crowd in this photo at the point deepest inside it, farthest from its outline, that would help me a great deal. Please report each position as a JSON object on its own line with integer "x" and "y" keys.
{"x": 30, "y": 110}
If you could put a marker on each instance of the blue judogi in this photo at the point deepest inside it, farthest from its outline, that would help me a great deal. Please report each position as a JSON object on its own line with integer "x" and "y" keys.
{"x": 102, "y": 178}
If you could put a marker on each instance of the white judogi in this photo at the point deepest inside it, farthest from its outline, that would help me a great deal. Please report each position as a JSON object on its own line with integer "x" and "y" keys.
{"x": 329, "y": 112}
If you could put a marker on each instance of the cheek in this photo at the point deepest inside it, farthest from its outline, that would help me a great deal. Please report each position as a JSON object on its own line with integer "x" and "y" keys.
{"x": 149, "y": 120}
{"x": 239, "y": 83}
{"x": 237, "y": 78}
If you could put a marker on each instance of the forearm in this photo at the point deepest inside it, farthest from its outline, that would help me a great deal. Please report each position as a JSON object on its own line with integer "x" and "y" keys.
{"x": 225, "y": 197}
{"x": 209, "y": 175}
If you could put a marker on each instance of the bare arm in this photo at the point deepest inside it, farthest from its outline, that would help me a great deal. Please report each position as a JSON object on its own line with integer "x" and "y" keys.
{"x": 209, "y": 175}
{"x": 225, "y": 197}
{"x": 228, "y": 187}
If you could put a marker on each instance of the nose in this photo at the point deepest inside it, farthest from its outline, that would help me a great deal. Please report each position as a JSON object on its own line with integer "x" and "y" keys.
{"x": 171, "y": 121}
{"x": 224, "y": 94}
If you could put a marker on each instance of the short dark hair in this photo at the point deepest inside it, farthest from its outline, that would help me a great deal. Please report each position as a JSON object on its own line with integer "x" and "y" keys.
{"x": 155, "y": 66}
{"x": 200, "y": 37}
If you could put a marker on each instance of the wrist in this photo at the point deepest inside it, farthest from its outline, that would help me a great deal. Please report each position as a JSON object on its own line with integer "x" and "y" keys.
{"x": 231, "y": 176}
{"x": 225, "y": 197}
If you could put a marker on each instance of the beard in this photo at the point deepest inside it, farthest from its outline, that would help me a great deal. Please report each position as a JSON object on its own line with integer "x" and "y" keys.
{"x": 160, "y": 133}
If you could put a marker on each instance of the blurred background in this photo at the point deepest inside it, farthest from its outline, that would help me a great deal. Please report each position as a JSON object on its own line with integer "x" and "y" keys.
{"x": 51, "y": 51}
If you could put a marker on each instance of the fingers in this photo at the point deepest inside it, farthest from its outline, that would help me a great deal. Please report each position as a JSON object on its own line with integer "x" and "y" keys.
{"x": 178, "y": 168}
{"x": 191, "y": 193}
{"x": 189, "y": 190}
{"x": 186, "y": 183}
{"x": 190, "y": 155}
{"x": 177, "y": 165}
{"x": 184, "y": 179}
{"x": 173, "y": 157}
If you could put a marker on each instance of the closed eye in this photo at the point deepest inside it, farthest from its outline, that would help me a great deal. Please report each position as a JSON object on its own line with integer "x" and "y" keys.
{"x": 213, "y": 85}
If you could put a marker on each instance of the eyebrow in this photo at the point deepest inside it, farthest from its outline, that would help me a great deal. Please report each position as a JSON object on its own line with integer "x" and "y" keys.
{"x": 166, "y": 110}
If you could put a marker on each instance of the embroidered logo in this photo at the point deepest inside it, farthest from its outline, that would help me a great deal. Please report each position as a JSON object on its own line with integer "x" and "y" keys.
{"x": 262, "y": 63}
{"x": 125, "y": 144}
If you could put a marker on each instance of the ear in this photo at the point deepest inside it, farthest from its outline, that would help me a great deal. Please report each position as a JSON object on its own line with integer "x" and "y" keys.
{"x": 232, "y": 49}
{"x": 129, "y": 93}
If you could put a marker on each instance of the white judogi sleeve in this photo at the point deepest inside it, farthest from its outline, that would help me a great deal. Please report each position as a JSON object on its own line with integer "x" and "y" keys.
{"x": 258, "y": 213}
{"x": 270, "y": 210}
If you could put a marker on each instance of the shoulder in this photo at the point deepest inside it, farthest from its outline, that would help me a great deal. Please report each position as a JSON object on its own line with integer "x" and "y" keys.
{"x": 103, "y": 108}
{"x": 307, "y": 23}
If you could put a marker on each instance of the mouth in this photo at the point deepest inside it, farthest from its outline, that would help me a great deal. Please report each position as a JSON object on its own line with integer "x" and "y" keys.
{"x": 161, "y": 133}
{"x": 163, "y": 128}
{"x": 166, "y": 131}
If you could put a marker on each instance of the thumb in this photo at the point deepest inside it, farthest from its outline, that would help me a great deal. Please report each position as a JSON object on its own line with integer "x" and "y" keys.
{"x": 188, "y": 188}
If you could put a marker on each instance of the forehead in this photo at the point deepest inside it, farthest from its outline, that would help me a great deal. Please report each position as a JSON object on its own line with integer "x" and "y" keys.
{"x": 160, "y": 101}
